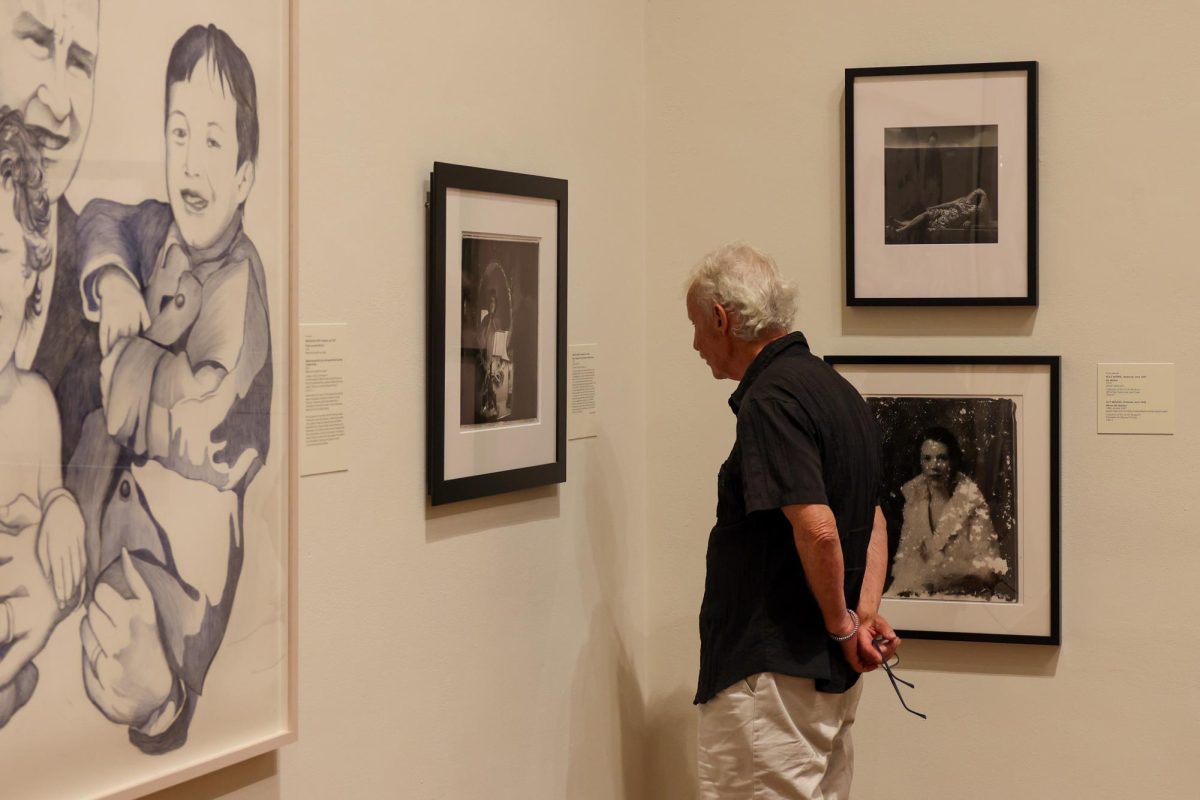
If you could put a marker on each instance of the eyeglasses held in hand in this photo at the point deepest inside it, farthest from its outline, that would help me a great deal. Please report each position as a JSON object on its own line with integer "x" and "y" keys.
{"x": 894, "y": 679}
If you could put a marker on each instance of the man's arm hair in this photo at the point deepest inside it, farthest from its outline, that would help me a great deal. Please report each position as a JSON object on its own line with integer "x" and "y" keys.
{"x": 876, "y": 572}
{"x": 814, "y": 529}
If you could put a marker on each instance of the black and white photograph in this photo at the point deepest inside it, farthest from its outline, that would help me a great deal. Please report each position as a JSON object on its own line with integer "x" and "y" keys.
{"x": 950, "y": 496}
{"x": 969, "y": 449}
{"x": 940, "y": 184}
{"x": 499, "y": 330}
{"x": 496, "y": 416}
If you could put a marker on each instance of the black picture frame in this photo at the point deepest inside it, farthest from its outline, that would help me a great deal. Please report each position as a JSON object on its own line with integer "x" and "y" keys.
{"x": 990, "y": 398}
{"x": 970, "y": 249}
{"x": 487, "y": 442}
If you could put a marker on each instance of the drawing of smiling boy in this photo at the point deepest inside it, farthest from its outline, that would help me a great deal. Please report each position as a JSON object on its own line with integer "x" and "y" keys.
{"x": 179, "y": 292}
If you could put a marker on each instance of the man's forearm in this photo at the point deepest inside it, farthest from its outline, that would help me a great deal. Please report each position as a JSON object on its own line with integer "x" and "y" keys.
{"x": 814, "y": 529}
{"x": 872, "y": 585}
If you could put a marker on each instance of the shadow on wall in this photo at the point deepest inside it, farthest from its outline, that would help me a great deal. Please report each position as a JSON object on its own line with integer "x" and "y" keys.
{"x": 938, "y": 320}
{"x": 606, "y": 754}
{"x": 490, "y": 513}
{"x": 671, "y": 746}
{"x": 605, "y": 674}
{"x": 980, "y": 658}
{"x": 226, "y": 781}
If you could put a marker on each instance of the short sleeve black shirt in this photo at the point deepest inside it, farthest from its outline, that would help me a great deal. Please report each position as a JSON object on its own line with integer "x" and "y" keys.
{"x": 804, "y": 436}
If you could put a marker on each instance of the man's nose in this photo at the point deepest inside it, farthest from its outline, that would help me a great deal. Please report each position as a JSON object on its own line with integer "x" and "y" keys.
{"x": 53, "y": 96}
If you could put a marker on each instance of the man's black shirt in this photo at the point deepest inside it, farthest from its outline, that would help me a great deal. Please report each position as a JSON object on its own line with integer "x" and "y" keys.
{"x": 804, "y": 435}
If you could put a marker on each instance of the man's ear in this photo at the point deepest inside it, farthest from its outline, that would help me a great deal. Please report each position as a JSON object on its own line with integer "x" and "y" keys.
{"x": 720, "y": 318}
{"x": 245, "y": 181}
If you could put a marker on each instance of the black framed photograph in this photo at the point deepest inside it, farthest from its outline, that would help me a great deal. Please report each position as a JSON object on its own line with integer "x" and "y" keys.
{"x": 941, "y": 185}
{"x": 970, "y": 456}
{"x": 497, "y": 332}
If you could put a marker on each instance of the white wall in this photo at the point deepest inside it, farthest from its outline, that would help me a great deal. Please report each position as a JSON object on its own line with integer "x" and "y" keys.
{"x": 745, "y": 109}
{"x": 511, "y": 649}
{"x": 492, "y": 649}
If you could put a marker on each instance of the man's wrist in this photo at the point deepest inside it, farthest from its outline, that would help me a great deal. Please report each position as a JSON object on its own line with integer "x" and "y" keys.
{"x": 840, "y": 633}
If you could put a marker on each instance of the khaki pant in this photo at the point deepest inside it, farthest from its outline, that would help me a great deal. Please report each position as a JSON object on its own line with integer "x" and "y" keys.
{"x": 775, "y": 737}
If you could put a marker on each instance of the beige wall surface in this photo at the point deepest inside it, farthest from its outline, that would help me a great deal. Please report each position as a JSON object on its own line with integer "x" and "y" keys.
{"x": 492, "y": 649}
{"x": 745, "y": 141}
{"x": 544, "y": 645}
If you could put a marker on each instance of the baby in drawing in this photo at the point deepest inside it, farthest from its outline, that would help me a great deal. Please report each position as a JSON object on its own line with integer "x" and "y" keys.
{"x": 31, "y": 490}
{"x": 179, "y": 293}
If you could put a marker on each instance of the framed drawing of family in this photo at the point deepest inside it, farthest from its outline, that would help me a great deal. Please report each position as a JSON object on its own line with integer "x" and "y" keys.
{"x": 941, "y": 185}
{"x": 147, "y": 484}
{"x": 497, "y": 332}
{"x": 970, "y": 492}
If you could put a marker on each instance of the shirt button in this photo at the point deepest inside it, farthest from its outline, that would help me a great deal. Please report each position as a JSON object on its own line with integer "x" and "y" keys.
{"x": 125, "y": 490}
{"x": 180, "y": 300}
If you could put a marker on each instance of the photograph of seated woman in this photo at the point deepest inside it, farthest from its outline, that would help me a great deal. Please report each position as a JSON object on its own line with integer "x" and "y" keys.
{"x": 948, "y": 545}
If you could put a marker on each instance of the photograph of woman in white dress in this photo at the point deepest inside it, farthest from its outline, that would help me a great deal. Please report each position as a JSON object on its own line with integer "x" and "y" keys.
{"x": 952, "y": 524}
{"x": 948, "y": 544}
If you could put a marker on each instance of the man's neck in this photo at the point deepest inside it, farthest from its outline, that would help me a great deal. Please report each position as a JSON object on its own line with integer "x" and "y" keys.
{"x": 746, "y": 352}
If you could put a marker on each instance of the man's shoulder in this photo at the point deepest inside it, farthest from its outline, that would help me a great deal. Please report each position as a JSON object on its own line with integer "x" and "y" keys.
{"x": 243, "y": 257}
{"x": 243, "y": 249}
{"x": 147, "y": 221}
{"x": 791, "y": 378}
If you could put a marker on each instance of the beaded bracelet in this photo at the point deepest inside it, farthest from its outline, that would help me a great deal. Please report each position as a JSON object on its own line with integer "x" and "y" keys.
{"x": 849, "y": 635}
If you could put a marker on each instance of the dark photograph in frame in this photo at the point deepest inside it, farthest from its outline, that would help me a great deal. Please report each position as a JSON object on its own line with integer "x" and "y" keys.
{"x": 970, "y": 490}
{"x": 941, "y": 185}
{"x": 499, "y": 330}
{"x": 496, "y": 358}
{"x": 950, "y": 496}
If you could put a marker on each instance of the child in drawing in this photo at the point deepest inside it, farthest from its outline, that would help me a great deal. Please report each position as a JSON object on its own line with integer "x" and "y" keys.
{"x": 31, "y": 490}
{"x": 179, "y": 292}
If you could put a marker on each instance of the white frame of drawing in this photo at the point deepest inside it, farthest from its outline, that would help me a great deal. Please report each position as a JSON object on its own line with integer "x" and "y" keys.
{"x": 290, "y": 731}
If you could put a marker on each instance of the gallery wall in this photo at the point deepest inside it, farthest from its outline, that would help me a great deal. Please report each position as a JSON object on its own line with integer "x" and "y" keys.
{"x": 745, "y": 141}
{"x": 492, "y": 649}
{"x": 544, "y": 645}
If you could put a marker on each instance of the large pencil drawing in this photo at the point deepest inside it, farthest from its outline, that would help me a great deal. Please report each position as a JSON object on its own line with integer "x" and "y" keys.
{"x": 136, "y": 376}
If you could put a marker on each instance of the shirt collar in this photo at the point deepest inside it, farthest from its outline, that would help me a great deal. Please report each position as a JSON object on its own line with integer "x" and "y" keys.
{"x": 761, "y": 361}
{"x": 216, "y": 254}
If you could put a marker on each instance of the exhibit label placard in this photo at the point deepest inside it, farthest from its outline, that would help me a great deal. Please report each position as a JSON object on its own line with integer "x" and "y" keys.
{"x": 1135, "y": 398}
{"x": 324, "y": 351}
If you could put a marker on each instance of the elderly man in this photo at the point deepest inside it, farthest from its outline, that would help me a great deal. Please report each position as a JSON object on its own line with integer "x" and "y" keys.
{"x": 47, "y": 68}
{"x": 798, "y": 555}
{"x": 48, "y": 51}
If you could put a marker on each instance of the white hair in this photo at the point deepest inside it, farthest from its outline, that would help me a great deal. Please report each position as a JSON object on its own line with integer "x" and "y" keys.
{"x": 748, "y": 285}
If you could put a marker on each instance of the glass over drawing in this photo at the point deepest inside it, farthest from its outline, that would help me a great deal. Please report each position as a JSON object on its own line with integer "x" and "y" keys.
{"x": 143, "y": 446}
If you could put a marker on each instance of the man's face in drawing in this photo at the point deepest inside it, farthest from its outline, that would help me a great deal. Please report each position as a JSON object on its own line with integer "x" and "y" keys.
{"x": 47, "y": 71}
